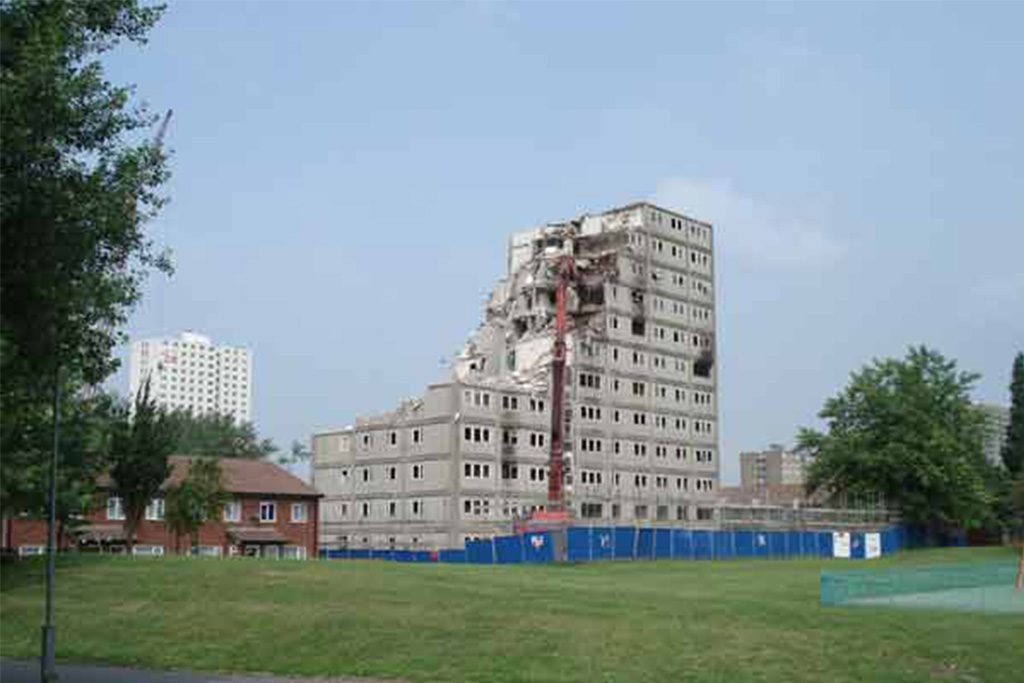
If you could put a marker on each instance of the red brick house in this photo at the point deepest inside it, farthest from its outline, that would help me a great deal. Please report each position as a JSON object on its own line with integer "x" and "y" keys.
{"x": 270, "y": 513}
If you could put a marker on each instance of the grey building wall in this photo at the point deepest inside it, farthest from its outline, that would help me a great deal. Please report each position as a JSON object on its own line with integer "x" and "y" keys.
{"x": 773, "y": 467}
{"x": 471, "y": 455}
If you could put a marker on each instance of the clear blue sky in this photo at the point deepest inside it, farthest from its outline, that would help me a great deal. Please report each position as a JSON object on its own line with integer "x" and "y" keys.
{"x": 345, "y": 175}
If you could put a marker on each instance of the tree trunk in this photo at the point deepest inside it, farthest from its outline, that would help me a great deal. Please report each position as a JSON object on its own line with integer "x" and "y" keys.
{"x": 131, "y": 525}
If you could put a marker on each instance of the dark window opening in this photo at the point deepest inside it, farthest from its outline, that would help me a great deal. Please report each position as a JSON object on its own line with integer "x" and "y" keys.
{"x": 702, "y": 366}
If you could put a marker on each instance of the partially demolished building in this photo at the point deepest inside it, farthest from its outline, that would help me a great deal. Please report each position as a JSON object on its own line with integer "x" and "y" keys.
{"x": 470, "y": 456}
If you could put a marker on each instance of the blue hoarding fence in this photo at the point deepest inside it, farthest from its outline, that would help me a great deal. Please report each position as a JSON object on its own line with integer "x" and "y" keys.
{"x": 600, "y": 543}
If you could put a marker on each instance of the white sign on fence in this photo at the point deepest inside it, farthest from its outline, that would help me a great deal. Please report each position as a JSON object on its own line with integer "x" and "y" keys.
{"x": 872, "y": 545}
{"x": 840, "y": 544}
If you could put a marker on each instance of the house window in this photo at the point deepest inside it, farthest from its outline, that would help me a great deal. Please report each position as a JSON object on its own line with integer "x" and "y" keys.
{"x": 233, "y": 511}
{"x": 151, "y": 550}
{"x": 293, "y": 552}
{"x": 114, "y": 510}
{"x": 155, "y": 510}
{"x": 268, "y": 511}
{"x": 299, "y": 512}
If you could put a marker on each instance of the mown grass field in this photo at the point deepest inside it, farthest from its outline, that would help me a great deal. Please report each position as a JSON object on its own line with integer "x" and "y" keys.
{"x": 641, "y": 621}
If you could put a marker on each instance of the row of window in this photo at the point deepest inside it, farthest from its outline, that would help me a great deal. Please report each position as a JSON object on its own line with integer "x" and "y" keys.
{"x": 669, "y": 249}
{"x": 639, "y": 328}
{"x": 667, "y": 305}
{"x": 596, "y": 511}
{"x": 662, "y": 422}
{"x": 391, "y": 438}
{"x": 414, "y": 509}
{"x": 482, "y": 399}
{"x": 232, "y": 511}
{"x": 693, "y": 230}
{"x": 635, "y": 358}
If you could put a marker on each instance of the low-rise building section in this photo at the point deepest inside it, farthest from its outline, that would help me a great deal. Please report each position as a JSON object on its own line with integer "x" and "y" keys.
{"x": 269, "y": 513}
{"x": 641, "y": 422}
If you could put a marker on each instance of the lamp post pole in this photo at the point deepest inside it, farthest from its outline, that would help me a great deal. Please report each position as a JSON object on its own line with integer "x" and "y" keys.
{"x": 48, "y": 662}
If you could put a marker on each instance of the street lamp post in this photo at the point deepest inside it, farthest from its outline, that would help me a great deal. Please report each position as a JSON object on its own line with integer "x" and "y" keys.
{"x": 48, "y": 662}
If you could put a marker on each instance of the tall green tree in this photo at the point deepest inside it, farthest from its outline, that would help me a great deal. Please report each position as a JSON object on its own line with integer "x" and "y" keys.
{"x": 141, "y": 442}
{"x": 198, "y": 497}
{"x": 79, "y": 183}
{"x": 905, "y": 429}
{"x": 219, "y": 436}
{"x": 1013, "y": 448}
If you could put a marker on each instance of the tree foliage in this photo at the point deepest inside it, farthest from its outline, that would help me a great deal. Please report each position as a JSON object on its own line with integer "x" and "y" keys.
{"x": 78, "y": 187}
{"x": 198, "y": 497}
{"x": 298, "y": 453}
{"x": 905, "y": 430}
{"x": 141, "y": 441}
{"x": 219, "y": 436}
{"x": 1013, "y": 448}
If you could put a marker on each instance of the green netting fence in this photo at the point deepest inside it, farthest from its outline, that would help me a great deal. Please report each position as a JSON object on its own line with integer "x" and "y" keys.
{"x": 982, "y": 587}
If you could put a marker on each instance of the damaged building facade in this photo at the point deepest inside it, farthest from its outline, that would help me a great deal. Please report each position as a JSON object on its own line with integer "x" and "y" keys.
{"x": 470, "y": 456}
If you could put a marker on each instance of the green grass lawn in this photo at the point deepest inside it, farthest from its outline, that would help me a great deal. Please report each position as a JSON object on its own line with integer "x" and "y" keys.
{"x": 639, "y": 621}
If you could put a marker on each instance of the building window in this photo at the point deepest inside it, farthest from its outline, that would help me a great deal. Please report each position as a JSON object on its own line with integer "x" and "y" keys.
{"x": 293, "y": 552}
{"x": 268, "y": 511}
{"x": 151, "y": 550}
{"x": 417, "y": 435}
{"x": 155, "y": 510}
{"x": 417, "y": 472}
{"x": 299, "y": 512}
{"x": 114, "y": 510}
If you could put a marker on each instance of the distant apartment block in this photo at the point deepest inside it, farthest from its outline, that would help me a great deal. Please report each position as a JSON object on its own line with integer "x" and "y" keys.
{"x": 470, "y": 456}
{"x": 997, "y": 420}
{"x": 773, "y": 467}
{"x": 191, "y": 373}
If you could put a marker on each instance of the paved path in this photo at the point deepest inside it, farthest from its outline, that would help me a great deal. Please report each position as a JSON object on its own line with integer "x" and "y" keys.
{"x": 21, "y": 671}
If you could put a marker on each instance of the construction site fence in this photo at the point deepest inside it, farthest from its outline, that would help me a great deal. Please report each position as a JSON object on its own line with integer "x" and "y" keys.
{"x": 592, "y": 544}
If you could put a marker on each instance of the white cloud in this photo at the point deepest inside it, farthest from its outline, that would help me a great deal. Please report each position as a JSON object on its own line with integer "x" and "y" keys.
{"x": 747, "y": 228}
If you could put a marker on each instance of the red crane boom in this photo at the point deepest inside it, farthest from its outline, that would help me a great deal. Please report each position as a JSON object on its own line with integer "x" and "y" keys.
{"x": 556, "y": 469}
